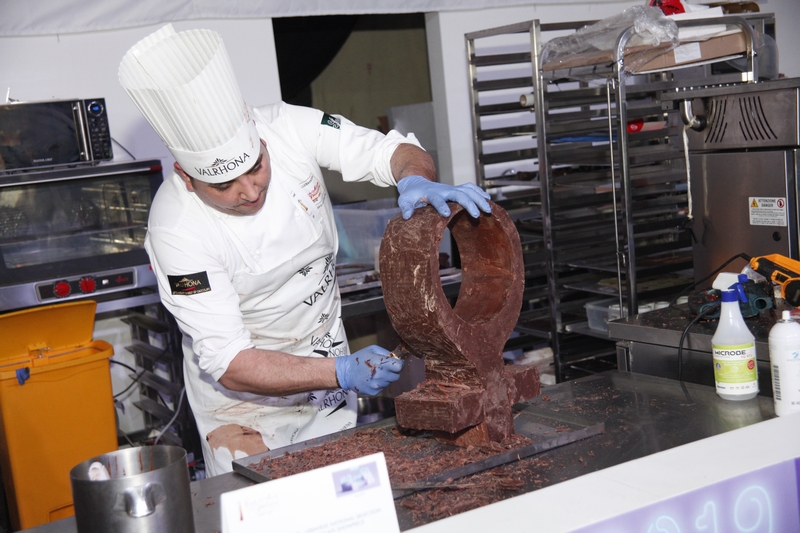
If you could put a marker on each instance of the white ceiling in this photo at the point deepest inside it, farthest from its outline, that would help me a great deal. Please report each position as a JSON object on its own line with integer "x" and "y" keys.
{"x": 49, "y": 17}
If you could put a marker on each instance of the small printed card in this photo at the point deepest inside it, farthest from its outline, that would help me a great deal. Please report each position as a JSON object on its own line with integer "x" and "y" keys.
{"x": 354, "y": 496}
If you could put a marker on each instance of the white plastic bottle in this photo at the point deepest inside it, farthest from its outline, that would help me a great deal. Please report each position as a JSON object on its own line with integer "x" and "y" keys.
{"x": 734, "y": 347}
{"x": 784, "y": 359}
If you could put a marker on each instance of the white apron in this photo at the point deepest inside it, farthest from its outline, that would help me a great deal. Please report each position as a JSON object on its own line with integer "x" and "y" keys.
{"x": 292, "y": 305}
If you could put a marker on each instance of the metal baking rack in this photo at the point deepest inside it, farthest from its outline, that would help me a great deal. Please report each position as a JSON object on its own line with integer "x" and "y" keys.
{"x": 362, "y": 293}
{"x": 602, "y": 201}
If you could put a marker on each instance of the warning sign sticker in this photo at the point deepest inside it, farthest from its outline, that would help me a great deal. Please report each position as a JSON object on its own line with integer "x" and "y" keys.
{"x": 767, "y": 211}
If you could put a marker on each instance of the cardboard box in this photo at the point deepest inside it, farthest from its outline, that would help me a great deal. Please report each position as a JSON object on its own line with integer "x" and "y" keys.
{"x": 655, "y": 59}
{"x": 693, "y": 52}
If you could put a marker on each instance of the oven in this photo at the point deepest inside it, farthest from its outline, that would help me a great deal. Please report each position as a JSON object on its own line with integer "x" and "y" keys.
{"x": 77, "y": 233}
{"x": 744, "y": 166}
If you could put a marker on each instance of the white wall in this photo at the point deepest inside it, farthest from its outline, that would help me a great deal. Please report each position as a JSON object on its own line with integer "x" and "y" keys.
{"x": 85, "y": 65}
{"x": 447, "y": 55}
{"x": 787, "y": 24}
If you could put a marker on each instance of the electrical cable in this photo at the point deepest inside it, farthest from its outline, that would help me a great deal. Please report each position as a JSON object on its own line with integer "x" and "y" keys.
{"x": 714, "y": 273}
{"x": 126, "y": 150}
{"x": 690, "y": 215}
{"x": 174, "y": 417}
{"x": 132, "y": 383}
{"x": 713, "y": 306}
{"x": 726, "y": 263}
{"x": 129, "y": 367}
{"x": 700, "y": 315}
{"x": 127, "y": 438}
{"x": 139, "y": 376}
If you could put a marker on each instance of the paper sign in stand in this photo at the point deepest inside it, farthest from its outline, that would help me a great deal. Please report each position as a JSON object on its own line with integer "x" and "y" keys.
{"x": 353, "y": 497}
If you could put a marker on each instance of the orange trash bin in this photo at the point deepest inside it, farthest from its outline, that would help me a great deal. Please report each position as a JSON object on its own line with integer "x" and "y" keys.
{"x": 56, "y": 407}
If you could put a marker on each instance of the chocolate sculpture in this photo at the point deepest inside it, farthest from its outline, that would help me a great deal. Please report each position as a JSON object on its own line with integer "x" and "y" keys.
{"x": 468, "y": 391}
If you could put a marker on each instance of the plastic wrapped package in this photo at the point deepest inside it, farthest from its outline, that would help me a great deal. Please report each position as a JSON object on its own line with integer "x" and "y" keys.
{"x": 654, "y": 34}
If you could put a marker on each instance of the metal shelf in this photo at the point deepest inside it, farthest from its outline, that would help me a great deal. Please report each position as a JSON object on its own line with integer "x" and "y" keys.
{"x": 584, "y": 329}
{"x": 610, "y": 212}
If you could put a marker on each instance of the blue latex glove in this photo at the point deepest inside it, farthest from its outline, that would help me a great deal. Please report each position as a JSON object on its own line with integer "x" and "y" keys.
{"x": 416, "y": 191}
{"x": 368, "y": 371}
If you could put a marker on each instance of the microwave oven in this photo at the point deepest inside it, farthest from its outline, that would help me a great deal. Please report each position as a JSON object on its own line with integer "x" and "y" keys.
{"x": 53, "y": 134}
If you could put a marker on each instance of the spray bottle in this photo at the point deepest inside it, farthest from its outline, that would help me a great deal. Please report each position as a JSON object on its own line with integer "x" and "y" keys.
{"x": 734, "y": 348}
{"x": 784, "y": 357}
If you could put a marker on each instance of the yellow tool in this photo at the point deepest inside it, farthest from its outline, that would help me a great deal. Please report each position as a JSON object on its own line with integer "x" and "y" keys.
{"x": 783, "y": 271}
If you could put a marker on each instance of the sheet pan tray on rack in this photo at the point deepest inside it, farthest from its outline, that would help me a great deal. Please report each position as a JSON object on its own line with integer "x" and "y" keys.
{"x": 439, "y": 464}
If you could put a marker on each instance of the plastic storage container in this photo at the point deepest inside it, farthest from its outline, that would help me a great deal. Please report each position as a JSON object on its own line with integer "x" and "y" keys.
{"x": 597, "y": 313}
{"x": 56, "y": 406}
{"x": 360, "y": 227}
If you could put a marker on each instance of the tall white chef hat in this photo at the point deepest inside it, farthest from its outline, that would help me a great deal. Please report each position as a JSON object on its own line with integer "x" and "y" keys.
{"x": 184, "y": 85}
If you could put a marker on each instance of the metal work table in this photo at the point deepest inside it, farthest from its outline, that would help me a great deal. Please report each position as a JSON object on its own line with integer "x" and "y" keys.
{"x": 643, "y": 415}
{"x": 648, "y": 344}
{"x": 665, "y": 326}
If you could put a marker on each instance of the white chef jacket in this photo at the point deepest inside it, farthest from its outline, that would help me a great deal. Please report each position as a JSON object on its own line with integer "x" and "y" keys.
{"x": 266, "y": 281}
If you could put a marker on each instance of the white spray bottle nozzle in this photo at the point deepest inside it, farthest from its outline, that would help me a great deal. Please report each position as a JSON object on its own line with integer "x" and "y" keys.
{"x": 724, "y": 280}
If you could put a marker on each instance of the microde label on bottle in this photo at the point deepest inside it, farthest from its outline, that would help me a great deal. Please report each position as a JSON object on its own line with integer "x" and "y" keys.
{"x": 735, "y": 368}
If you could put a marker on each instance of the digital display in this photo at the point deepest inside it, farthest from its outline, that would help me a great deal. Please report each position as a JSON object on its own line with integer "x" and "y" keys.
{"x": 762, "y": 501}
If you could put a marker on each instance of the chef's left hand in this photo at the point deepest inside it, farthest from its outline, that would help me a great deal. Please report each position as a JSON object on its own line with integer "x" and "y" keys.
{"x": 416, "y": 191}
{"x": 368, "y": 371}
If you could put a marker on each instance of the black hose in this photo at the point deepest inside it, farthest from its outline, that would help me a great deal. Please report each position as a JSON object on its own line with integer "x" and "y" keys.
{"x": 711, "y": 307}
{"x": 139, "y": 375}
{"x": 129, "y": 367}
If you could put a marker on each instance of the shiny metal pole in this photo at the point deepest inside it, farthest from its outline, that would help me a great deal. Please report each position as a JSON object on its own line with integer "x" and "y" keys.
{"x": 625, "y": 178}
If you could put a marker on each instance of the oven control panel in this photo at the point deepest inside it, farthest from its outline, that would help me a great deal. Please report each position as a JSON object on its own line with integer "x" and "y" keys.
{"x": 99, "y": 283}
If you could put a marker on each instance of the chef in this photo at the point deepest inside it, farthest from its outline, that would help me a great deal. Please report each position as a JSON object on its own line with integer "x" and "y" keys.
{"x": 243, "y": 242}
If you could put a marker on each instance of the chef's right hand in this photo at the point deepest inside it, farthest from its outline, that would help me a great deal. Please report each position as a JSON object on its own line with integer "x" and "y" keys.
{"x": 416, "y": 192}
{"x": 368, "y": 371}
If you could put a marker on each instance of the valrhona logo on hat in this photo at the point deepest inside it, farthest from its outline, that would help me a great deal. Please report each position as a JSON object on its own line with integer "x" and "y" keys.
{"x": 220, "y": 167}
{"x": 184, "y": 85}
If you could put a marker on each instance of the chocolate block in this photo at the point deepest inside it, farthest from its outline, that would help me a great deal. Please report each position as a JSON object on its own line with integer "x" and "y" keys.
{"x": 522, "y": 382}
{"x": 439, "y": 406}
{"x": 472, "y": 436}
